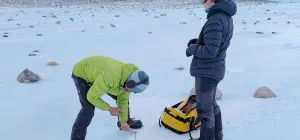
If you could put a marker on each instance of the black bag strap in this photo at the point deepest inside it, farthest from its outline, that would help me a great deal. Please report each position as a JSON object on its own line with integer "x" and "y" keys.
{"x": 192, "y": 126}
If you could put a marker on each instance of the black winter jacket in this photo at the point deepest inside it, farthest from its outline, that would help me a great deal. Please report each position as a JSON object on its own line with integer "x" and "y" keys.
{"x": 209, "y": 51}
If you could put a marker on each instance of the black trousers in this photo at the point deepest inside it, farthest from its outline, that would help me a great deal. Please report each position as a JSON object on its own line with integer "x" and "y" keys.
{"x": 86, "y": 112}
{"x": 209, "y": 112}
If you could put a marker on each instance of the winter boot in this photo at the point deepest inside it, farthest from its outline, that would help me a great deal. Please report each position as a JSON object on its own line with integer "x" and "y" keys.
{"x": 134, "y": 124}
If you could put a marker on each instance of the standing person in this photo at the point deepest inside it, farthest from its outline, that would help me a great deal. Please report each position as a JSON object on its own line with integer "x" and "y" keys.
{"x": 208, "y": 63}
{"x": 98, "y": 75}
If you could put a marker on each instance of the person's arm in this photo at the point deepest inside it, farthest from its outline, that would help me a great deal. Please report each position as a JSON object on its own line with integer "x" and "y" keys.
{"x": 212, "y": 40}
{"x": 122, "y": 102}
{"x": 98, "y": 89}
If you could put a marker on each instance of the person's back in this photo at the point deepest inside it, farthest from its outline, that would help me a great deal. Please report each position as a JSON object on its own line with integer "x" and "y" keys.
{"x": 90, "y": 67}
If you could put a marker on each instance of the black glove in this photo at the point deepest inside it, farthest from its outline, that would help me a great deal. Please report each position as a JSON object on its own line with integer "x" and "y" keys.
{"x": 191, "y": 50}
{"x": 192, "y": 41}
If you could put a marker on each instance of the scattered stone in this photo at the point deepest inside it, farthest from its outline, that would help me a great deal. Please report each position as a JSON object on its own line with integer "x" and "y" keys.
{"x": 144, "y": 10}
{"x": 31, "y": 26}
{"x": 288, "y": 22}
{"x": 93, "y": 15}
{"x": 267, "y": 10}
{"x": 180, "y": 68}
{"x": 274, "y": 33}
{"x": 18, "y": 24}
{"x": 58, "y": 22}
{"x": 244, "y": 22}
{"x": 31, "y": 54}
{"x": 27, "y": 76}
{"x": 163, "y": 14}
{"x": 269, "y": 19}
{"x": 259, "y": 32}
{"x": 71, "y": 19}
{"x": 117, "y": 15}
{"x": 102, "y": 27}
{"x": 182, "y": 23}
{"x": 83, "y": 31}
{"x": 5, "y": 35}
{"x": 112, "y": 25}
{"x": 39, "y": 35}
{"x": 149, "y": 32}
{"x": 36, "y": 51}
{"x": 44, "y": 16}
{"x": 156, "y": 16}
{"x": 9, "y": 20}
{"x": 52, "y": 63}
{"x": 218, "y": 95}
{"x": 53, "y": 16}
{"x": 264, "y": 92}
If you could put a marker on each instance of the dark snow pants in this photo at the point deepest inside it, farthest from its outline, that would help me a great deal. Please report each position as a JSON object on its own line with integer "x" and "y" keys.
{"x": 86, "y": 112}
{"x": 208, "y": 109}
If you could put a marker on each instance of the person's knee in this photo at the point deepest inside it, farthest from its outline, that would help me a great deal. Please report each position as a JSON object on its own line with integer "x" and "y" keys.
{"x": 88, "y": 111}
{"x": 206, "y": 115}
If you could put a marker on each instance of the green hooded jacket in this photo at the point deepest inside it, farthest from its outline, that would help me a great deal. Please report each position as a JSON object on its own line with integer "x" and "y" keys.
{"x": 106, "y": 76}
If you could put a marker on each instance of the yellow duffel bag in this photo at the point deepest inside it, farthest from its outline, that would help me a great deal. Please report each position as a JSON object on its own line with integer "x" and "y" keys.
{"x": 181, "y": 117}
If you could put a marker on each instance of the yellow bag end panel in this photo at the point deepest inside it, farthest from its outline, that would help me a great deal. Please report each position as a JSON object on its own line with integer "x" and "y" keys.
{"x": 173, "y": 123}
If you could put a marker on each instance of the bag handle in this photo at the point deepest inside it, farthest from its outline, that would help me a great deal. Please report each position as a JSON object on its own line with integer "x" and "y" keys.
{"x": 159, "y": 122}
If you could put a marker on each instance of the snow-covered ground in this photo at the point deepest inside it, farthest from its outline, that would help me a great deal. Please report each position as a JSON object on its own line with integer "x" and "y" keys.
{"x": 46, "y": 110}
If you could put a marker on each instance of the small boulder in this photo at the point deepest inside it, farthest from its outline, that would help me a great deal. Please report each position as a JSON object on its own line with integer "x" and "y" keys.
{"x": 163, "y": 14}
{"x": 53, "y": 16}
{"x": 27, "y": 76}
{"x": 57, "y": 22}
{"x": 52, "y": 63}
{"x": 31, "y": 54}
{"x": 112, "y": 25}
{"x": 259, "y": 32}
{"x": 218, "y": 95}
{"x": 180, "y": 68}
{"x": 264, "y": 92}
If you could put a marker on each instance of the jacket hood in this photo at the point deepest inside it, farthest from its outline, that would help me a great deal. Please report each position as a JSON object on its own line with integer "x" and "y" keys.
{"x": 227, "y": 6}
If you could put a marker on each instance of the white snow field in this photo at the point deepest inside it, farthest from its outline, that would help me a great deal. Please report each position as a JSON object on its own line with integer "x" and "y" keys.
{"x": 46, "y": 110}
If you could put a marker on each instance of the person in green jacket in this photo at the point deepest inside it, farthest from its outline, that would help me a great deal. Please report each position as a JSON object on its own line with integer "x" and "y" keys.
{"x": 98, "y": 75}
